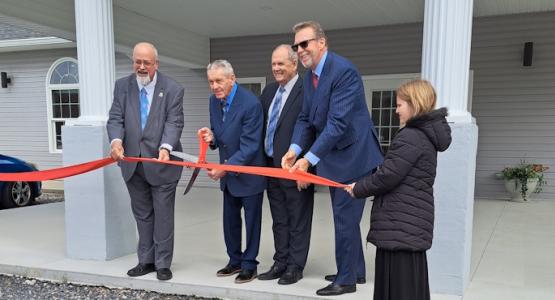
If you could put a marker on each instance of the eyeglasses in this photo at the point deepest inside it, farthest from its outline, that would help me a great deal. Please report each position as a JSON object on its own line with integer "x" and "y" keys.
{"x": 146, "y": 63}
{"x": 303, "y": 44}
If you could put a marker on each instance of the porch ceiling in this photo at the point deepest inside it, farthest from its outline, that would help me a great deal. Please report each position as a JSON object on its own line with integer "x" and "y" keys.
{"x": 217, "y": 18}
{"x": 187, "y": 25}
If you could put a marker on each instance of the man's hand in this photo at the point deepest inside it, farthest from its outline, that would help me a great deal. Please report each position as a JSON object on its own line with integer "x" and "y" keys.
{"x": 288, "y": 159}
{"x": 164, "y": 154}
{"x": 117, "y": 151}
{"x": 302, "y": 165}
{"x": 215, "y": 174}
{"x": 301, "y": 185}
{"x": 349, "y": 189}
{"x": 206, "y": 134}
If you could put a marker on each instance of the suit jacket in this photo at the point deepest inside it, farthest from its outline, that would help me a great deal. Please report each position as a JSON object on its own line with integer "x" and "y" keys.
{"x": 239, "y": 140}
{"x": 286, "y": 121}
{"x": 164, "y": 126}
{"x": 336, "y": 112}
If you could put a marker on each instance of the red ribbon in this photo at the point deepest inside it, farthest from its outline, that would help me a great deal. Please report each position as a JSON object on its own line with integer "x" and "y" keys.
{"x": 73, "y": 170}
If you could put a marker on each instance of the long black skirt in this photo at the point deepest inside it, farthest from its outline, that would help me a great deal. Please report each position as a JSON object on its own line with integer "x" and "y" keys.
{"x": 401, "y": 275}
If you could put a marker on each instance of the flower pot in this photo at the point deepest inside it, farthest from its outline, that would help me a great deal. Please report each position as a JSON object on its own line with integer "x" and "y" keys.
{"x": 514, "y": 188}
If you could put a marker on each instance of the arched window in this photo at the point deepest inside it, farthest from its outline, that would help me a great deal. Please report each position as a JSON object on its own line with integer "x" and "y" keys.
{"x": 62, "y": 88}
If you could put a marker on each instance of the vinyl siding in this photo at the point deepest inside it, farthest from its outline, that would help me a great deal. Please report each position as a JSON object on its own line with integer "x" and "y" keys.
{"x": 514, "y": 106}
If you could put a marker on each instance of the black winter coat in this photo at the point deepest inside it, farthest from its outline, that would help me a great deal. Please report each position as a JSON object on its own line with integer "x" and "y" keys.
{"x": 402, "y": 215}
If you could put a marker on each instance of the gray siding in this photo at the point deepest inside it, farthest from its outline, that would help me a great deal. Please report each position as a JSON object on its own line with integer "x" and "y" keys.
{"x": 23, "y": 110}
{"x": 514, "y": 106}
{"x": 23, "y": 106}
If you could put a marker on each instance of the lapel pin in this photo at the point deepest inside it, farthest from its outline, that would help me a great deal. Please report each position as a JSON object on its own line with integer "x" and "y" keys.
{"x": 161, "y": 94}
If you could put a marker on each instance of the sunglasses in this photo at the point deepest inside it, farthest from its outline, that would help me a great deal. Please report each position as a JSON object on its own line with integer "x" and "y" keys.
{"x": 303, "y": 44}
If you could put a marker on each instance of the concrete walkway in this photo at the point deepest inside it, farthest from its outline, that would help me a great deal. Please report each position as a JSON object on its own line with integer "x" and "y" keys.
{"x": 513, "y": 252}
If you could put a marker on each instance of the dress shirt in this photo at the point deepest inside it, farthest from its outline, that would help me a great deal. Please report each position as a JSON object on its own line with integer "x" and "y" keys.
{"x": 311, "y": 157}
{"x": 288, "y": 87}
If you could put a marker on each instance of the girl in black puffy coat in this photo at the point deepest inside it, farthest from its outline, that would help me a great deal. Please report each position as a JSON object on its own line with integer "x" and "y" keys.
{"x": 402, "y": 218}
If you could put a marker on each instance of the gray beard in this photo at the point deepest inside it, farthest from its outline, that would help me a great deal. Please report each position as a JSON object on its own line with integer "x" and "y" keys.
{"x": 144, "y": 80}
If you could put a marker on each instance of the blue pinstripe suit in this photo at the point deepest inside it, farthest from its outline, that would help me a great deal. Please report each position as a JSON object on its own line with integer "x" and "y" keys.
{"x": 346, "y": 143}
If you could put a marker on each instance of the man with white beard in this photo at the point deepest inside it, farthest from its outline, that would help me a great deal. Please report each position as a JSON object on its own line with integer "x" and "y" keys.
{"x": 146, "y": 120}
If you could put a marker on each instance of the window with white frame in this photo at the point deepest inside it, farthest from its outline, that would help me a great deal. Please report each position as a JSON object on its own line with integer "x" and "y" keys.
{"x": 253, "y": 84}
{"x": 62, "y": 88}
{"x": 384, "y": 117}
{"x": 381, "y": 100}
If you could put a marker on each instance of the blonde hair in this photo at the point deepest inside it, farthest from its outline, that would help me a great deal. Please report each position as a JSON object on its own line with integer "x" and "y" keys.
{"x": 420, "y": 94}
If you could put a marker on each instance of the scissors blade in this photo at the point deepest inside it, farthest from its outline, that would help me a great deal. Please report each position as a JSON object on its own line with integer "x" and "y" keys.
{"x": 185, "y": 156}
{"x": 191, "y": 158}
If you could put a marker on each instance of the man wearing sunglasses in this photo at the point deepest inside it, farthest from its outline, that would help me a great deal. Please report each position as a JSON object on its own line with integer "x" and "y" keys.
{"x": 346, "y": 148}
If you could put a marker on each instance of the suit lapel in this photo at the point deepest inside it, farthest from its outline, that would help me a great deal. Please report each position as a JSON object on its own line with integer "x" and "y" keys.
{"x": 157, "y": 99}
{"x": 133, "y": 100}
{"x": 230, "y": 114}
{"x": 325, "y": 76}
{"x": 267, "y": 100}
{"x": 291, "y": 99}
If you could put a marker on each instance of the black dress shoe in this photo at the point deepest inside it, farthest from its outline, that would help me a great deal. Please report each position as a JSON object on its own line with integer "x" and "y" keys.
{"x": 228, "y": 271}
{"x": 245, "y": 276}
{"x": 164, "y": 274}
{"x": 141, "y": 269}
{"x": 360, "y": 280}
{"x": 275, "y": 272}
{"x": 336, "y": 289}
{"x": 292, "y": 275}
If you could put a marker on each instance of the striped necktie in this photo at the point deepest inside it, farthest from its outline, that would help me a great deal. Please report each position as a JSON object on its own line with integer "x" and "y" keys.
{"x": 272, "y": 123}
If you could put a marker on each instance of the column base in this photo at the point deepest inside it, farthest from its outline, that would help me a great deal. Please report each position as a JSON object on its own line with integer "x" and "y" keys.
{"x": 449, "y": 257}
{"x": 99, "y": 223}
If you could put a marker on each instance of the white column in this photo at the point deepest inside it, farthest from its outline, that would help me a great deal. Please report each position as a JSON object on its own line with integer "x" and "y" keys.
{"x": 98, "y": 220}
{"x": 95, "y": 51}
{"x": 446, "y": 53}
{"x": 445, "y": 63}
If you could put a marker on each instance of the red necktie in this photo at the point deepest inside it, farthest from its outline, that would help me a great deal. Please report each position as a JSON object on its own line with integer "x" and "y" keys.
{"x": 314, "y": 80}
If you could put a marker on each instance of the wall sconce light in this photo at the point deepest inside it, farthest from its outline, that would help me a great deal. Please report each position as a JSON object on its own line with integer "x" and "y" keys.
{"x": 5, "y": 79}
{"x": 527, "y": 54}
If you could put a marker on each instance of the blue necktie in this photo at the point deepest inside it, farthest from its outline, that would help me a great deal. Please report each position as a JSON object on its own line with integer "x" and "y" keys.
{"x": 272, "y": 123}
{"x": 144, "y": 108}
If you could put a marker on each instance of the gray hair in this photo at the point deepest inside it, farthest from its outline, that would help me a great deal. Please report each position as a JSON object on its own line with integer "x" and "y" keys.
{"x": 293, "y": 57}
{"x": 221, "y": 64}
{"x": 316, "y": 27}
{"x": 148, "y": 45}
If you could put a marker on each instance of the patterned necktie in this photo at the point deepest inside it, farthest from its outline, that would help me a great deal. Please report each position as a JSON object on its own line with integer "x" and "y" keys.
{"x": 314, "y": 80}
{"x": 272, "y": 123}
{"x": 223, "y": 106}
{"x": 144, "y": 108}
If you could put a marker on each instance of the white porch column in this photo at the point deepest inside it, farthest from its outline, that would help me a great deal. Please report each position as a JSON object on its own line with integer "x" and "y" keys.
{"x": 98, "y": 220}
{"x": 445, "y": 63}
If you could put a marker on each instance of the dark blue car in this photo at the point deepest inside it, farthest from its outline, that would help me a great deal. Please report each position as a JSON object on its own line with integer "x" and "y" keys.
{"x": 17, "y": 194}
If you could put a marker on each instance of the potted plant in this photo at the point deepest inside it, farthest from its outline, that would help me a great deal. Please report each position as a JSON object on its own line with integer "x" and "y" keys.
{"x": 523, "y": 179}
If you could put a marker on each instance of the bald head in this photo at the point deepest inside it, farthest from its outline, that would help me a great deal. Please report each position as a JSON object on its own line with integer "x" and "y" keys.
{"x": 145, "y": 46}
{"x": 145, "y": 61}
{"x": 284, "y": 64}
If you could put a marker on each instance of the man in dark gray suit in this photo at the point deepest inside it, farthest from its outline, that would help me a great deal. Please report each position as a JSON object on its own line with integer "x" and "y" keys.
{"x": 146, "y": 120}
{"x": 291, "y": 205}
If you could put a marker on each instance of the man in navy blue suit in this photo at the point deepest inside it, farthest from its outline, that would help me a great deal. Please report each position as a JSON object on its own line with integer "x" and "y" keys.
{"x": 236, "y": 121}
{"x": 345, "y": 148}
